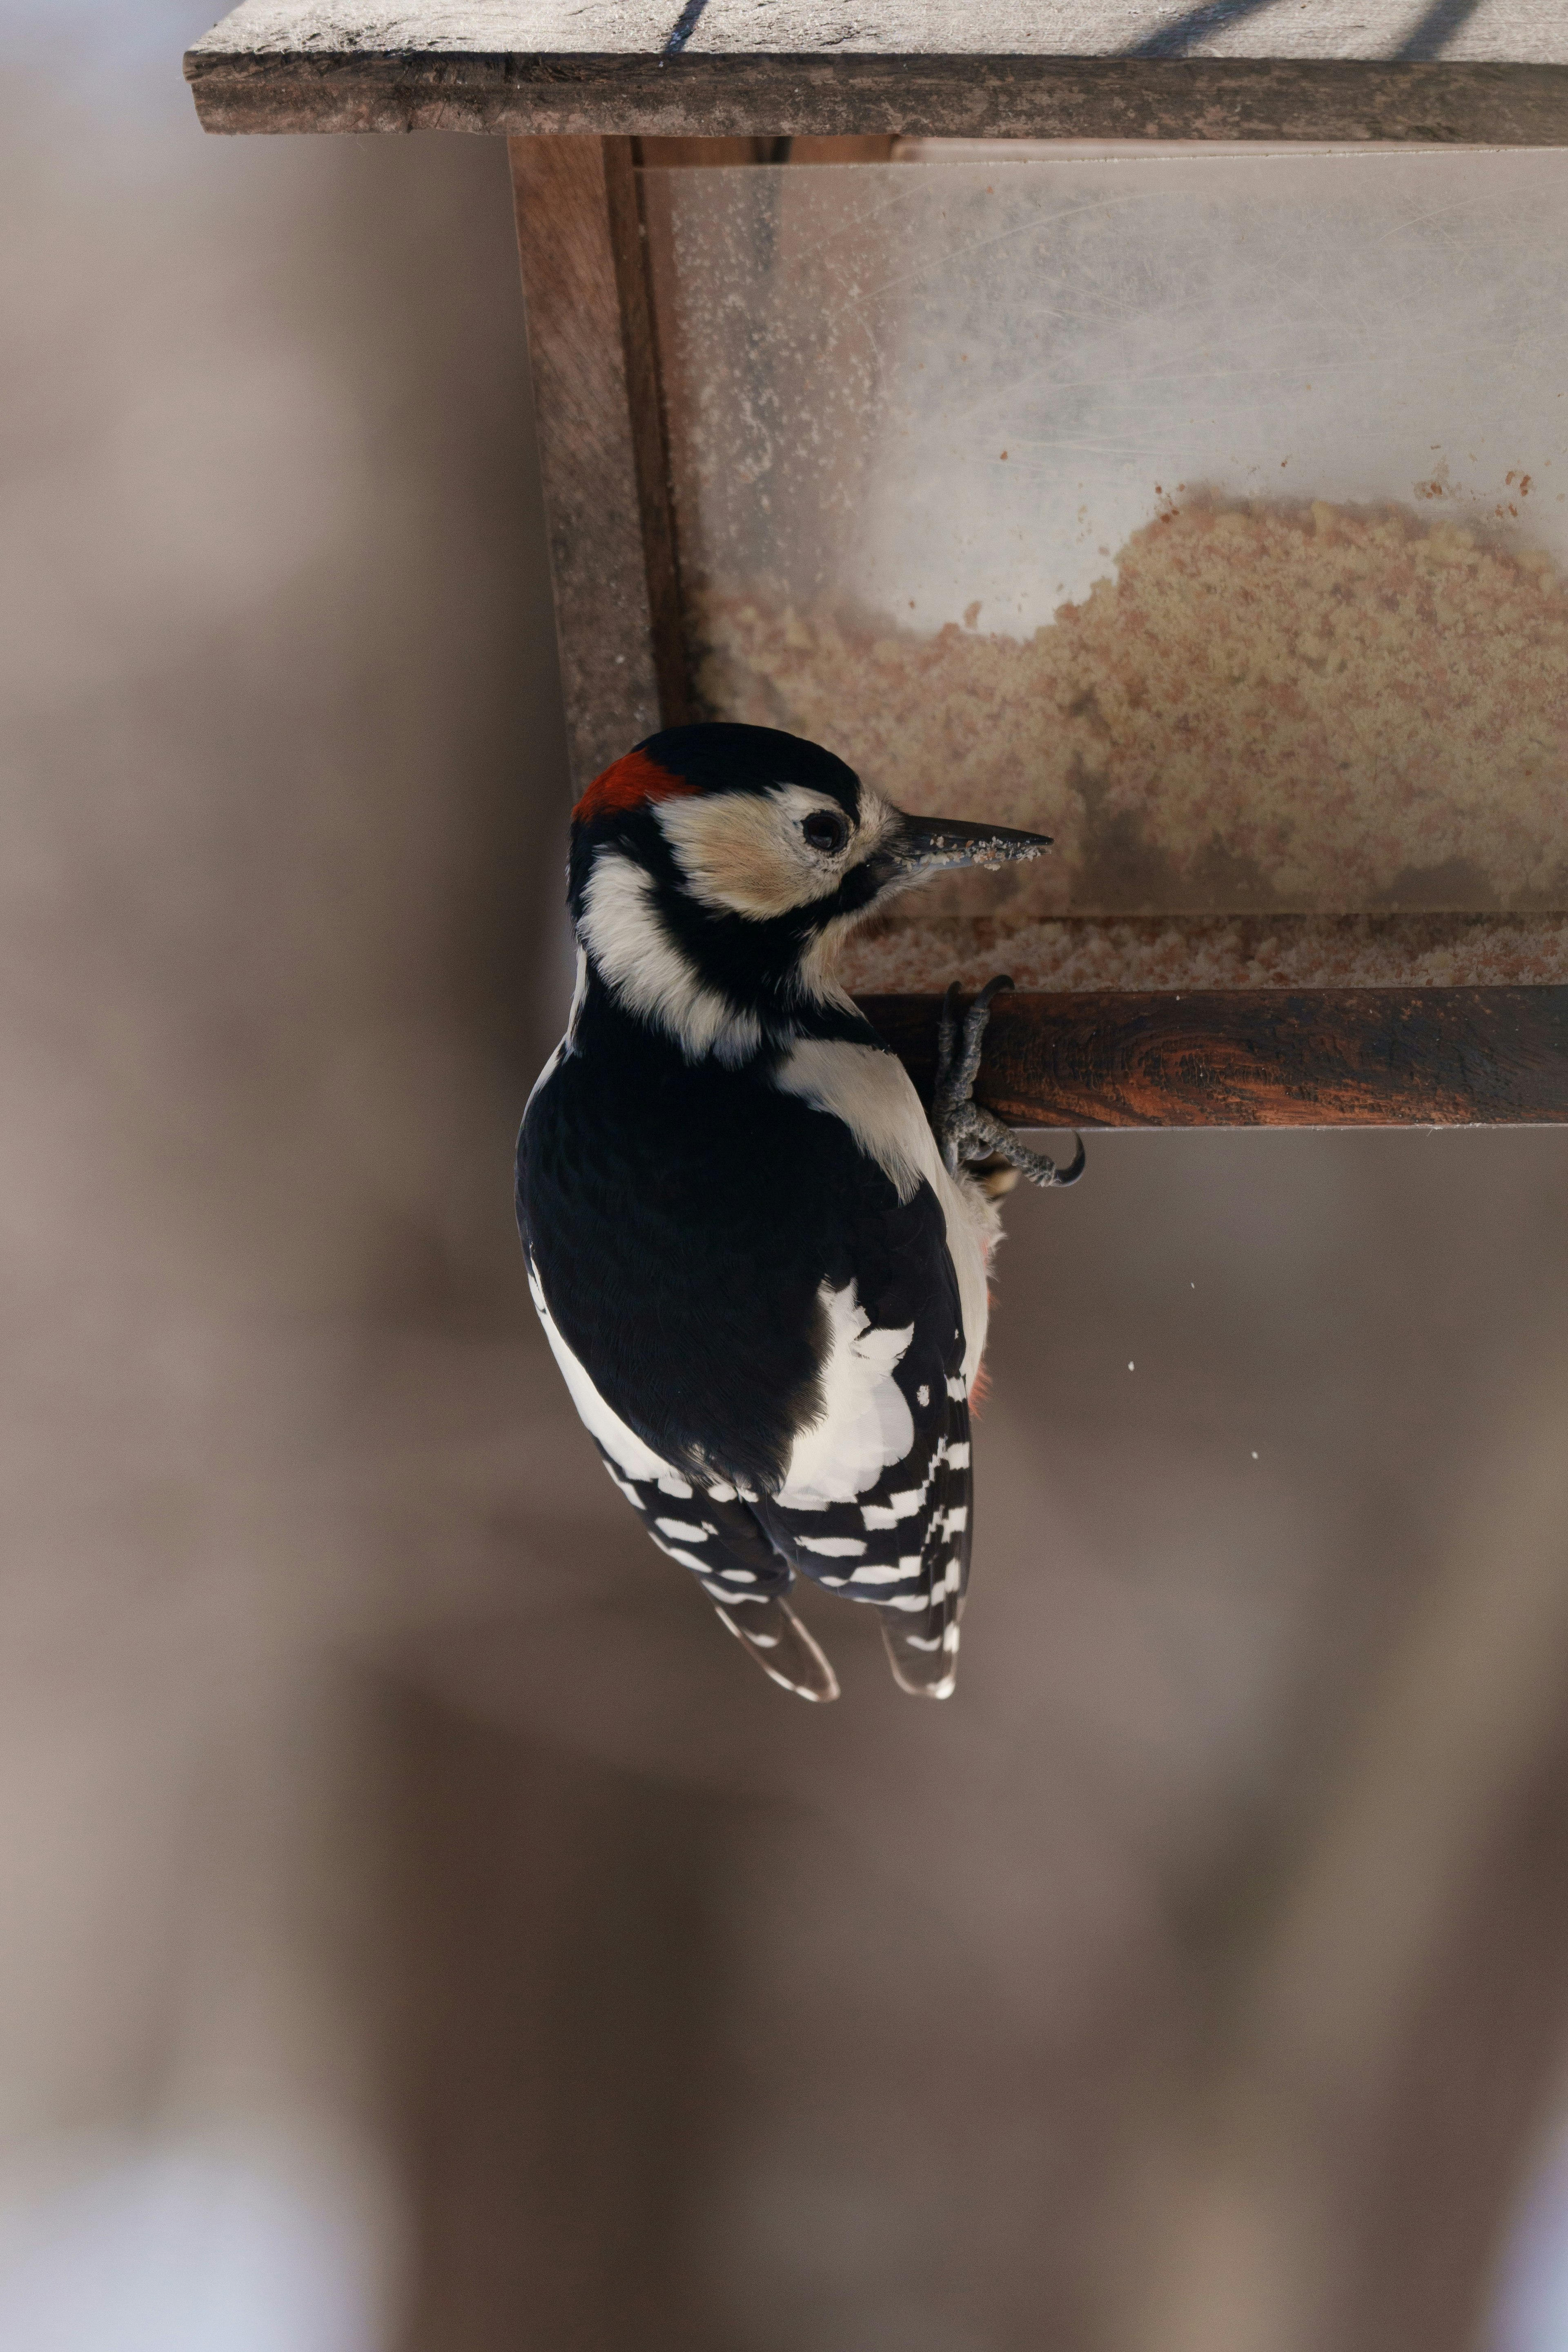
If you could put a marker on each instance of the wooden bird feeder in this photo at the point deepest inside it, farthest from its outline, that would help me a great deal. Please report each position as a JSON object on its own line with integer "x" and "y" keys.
{"x": 1145, "y": 425}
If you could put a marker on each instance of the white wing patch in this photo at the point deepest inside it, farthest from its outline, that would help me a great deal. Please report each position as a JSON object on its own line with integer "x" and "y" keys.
{"x": 866, "y": 1425}
{"x": 874, "y": 1096}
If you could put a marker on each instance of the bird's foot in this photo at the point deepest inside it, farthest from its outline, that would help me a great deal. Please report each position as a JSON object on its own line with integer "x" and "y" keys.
{"x": 967, "y": 1136}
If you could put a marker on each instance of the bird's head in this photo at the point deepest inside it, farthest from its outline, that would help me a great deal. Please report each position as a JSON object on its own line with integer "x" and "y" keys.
{"x": 716, "y": 870}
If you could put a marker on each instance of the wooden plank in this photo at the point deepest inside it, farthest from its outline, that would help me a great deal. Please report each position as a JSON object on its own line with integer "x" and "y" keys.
{"x": 875, "y": 148}
{"x": 589, "y": 455}
{"x": 664, "y": 154}
{"x": 1485, "y": 70}
{"x": 1262, "y": 1057}
{"x": 1494, "y": 31}
{"x": 763, "y": 31}
{"x": 656, "y": 504}
{"x": 668, "y": 154}
{"x": 613, "y": 549}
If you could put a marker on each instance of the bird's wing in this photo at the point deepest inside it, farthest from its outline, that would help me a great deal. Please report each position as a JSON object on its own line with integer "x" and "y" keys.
{"x": 903, "y": 1543}
{"x": 709, "y": 1529}
{"x": 705, "y": 1243}
{"x": 747, "y": 1308}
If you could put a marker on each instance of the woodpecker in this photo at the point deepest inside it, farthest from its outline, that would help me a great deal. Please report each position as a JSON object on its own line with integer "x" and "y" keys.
{"x": 761, "y": 1266}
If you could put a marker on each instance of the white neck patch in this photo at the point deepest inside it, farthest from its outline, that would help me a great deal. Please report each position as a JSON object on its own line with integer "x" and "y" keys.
{"x": 874, "y": 1094}
{"x": 634, "y": 953}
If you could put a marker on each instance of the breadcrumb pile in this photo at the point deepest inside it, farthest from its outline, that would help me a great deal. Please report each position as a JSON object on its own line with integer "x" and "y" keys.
{"x": 1212, "y": 951}
{"x": 1269, "y": 707}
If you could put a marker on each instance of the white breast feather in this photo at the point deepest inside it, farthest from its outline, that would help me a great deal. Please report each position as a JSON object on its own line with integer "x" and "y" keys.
{"x": 873, "y": 1094}
{"x": 866, "y": 1425}
{"x": 621, "y": 929}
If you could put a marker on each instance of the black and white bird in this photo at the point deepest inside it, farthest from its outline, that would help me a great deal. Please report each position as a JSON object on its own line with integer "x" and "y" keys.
{"x": 761, "y": 1266}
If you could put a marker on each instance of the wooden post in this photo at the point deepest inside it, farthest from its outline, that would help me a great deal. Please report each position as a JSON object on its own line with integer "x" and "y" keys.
{"x": 614, "y": 554}
{"x": 601, "y": 443}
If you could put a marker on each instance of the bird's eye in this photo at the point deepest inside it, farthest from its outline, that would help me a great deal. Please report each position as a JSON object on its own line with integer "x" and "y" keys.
{"x": 826, "y": 830}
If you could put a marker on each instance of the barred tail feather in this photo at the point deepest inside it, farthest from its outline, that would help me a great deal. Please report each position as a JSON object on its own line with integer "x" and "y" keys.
{"x": 923, "y": 1643}
{"x": 715, "y": 1535}
{"x": 773, "y": 1636}
{"x": 923, "y": 1653}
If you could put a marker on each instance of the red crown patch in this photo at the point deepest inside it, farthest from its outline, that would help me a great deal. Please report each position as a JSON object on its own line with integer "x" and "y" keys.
{"x": 628, "y": 783}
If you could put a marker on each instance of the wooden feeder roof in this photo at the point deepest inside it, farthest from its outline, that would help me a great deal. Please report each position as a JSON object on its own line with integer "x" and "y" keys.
{"x": 1492, "y": 71}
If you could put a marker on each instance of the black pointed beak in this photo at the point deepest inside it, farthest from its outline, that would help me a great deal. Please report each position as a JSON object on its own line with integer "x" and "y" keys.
{"x": 925, "y": 844}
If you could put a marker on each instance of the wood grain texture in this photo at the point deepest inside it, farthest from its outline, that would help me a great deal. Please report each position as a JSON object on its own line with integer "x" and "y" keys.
{"x": 1411, "y": 69}
{"x": 1515, "y": 31}
{"x": 1338, "y": 1058}
{"x": 1491, "y": 31}
{"x": 587, "y": 452}
{"x": 656, "y": 503}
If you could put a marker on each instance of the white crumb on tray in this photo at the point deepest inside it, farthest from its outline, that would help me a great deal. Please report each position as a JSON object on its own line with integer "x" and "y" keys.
{"x": 1213, "y": 951}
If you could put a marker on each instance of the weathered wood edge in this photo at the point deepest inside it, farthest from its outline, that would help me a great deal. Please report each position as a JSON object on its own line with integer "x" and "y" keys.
{"x": 597, "y": 529}
{"x": 1261, "y": 1057}
{"x": 602, "y": 454}
{"x": 655, "y": 502}
{"x": 972, "y": 96}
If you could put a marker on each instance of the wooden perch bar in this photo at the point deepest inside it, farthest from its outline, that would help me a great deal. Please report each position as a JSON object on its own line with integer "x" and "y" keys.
{"x": 1262, "y": 1057}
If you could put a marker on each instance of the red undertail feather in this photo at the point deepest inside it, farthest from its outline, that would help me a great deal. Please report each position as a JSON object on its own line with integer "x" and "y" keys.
{"x": 627, "y": 783}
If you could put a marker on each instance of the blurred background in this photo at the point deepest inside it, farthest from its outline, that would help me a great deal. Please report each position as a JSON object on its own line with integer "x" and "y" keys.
{"x": 419, "y": 1931}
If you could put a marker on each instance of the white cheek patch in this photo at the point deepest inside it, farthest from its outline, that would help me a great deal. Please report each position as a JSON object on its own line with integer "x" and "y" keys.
{"x": 621, "y": 930}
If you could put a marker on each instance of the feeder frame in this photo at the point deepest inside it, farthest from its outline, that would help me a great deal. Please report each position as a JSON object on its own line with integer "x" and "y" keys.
{"x": 586, "y": 93}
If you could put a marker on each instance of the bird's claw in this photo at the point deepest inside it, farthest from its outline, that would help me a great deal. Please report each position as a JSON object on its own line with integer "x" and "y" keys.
{"x": 964, "y": 1132}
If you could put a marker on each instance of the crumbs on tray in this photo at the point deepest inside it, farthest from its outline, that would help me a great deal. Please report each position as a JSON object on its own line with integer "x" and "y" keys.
{"x": 1269, "y": 706}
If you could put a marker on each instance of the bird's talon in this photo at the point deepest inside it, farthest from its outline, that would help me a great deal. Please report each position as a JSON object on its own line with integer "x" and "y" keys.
{"x": 965, "y": 1133}
{"x": 975, "y": 1022}
{"x": 1035, "y": 1165}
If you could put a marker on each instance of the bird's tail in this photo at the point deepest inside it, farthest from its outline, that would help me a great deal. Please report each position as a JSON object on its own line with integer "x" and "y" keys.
{"x": 923, "y": 1651}
{"x": 923, "y": 1643}
{"x": 775, "y": 1636}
